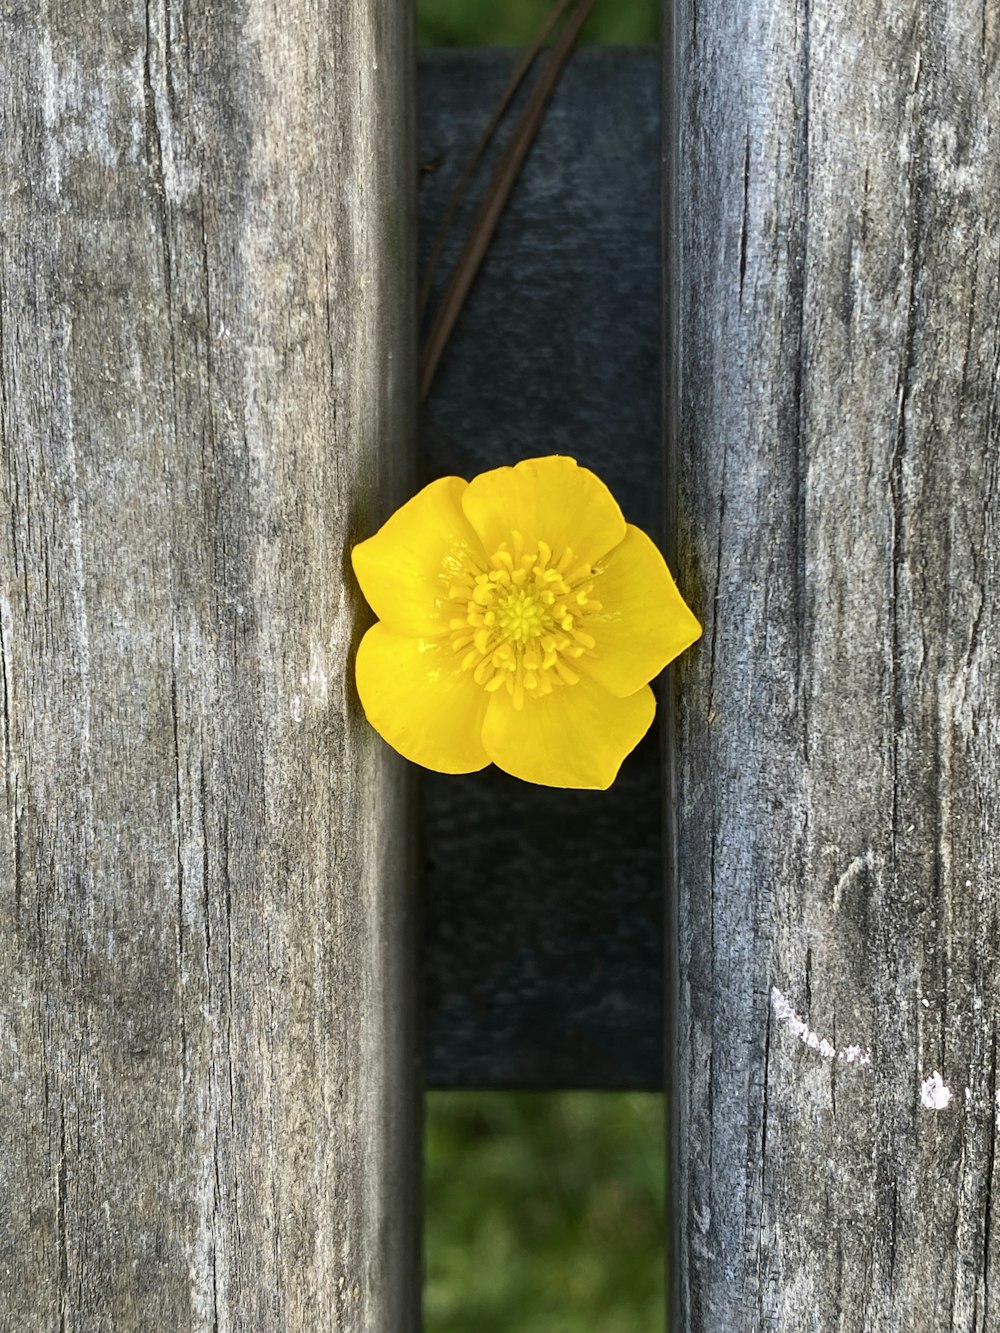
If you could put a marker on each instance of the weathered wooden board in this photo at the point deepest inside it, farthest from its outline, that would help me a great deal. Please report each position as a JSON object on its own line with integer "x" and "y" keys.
{"x": 545, "y": 908}
{"x": 208, "y": 1115}
{"x": 834, "y": 298}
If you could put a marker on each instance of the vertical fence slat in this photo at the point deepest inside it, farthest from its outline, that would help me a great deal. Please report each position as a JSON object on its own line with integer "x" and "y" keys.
{"x": 208, "y": 1093}
{"x": 837, "y": 279}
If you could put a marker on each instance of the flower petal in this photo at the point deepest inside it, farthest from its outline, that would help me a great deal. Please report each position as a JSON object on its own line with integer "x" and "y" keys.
{"x": 643, "y": 623}
{"x": 406, "y": 569}
{"x": 577, "y": 736}
{"x": 417, "y": 697}
{"x": 545, "y": 499}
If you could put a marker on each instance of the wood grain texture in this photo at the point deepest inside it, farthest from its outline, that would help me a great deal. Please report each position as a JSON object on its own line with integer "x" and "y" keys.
{"x": 835, "y": 290}
{"x": 208, "y": 1100}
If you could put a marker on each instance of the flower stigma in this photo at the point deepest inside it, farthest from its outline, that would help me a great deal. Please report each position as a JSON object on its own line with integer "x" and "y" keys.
{"x": 519, "y": 623}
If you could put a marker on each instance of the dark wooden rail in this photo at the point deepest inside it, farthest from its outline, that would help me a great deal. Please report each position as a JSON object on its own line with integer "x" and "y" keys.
{"x": 544, "y": 912}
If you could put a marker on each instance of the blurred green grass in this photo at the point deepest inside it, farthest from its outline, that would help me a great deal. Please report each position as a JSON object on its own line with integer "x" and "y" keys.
{"x": 512, "y": 23}
{"x": 544, "y": 1212}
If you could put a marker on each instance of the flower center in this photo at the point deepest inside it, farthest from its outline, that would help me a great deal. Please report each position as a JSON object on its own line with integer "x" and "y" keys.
{"x": 522, "y": 615}
{"x": 519, "y": 623}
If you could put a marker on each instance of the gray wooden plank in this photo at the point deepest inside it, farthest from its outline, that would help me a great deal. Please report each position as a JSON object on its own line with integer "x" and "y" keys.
{"x": 544, "y": 909}
{"x": 208, "y": 1116}
{"x": 836, "y": 271}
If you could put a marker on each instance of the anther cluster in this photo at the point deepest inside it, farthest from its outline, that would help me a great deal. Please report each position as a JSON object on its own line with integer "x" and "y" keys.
{"x": 520, "y": 622}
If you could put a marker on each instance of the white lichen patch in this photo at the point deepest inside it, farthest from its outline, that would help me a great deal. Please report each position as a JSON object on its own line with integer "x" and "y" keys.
{"x": 846, "y": 881}
{"x": 935, "y": 1095}
{"x": 790, "y": 1020}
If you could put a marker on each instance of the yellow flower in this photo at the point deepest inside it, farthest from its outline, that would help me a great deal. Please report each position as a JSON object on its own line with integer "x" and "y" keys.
{"x": 521, "y": 619}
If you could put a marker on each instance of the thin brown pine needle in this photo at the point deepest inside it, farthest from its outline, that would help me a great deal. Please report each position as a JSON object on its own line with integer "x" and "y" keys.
{"x": 515, "y": 81}
{"x": 495, "y": 200}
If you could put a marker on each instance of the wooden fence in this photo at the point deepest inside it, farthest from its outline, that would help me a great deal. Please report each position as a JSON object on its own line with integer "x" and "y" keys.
{"x": 210, "y": 1065}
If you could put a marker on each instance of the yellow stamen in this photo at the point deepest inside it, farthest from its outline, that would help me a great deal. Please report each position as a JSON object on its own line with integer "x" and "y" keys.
{"x": 524, "y": 618}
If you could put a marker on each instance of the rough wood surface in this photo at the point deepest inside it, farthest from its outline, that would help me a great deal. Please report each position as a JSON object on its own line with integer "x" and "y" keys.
{"x": 208, "y": 1114}
{"x": 544, "y": 953}
{"x": 836, "y": 434}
